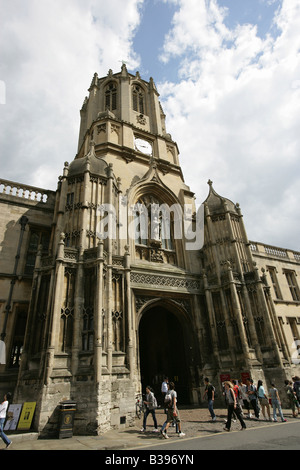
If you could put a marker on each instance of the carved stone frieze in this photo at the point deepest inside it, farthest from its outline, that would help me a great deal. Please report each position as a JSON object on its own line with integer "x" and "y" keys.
{"x": 165, "y": 281}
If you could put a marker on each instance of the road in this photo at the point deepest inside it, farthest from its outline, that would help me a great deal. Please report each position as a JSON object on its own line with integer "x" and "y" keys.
{"x": 276, "y": 436}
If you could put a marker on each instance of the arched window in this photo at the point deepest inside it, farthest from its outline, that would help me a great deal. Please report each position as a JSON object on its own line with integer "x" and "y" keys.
{"x": 138, "y": 99}
{"x": 111, "y": 96}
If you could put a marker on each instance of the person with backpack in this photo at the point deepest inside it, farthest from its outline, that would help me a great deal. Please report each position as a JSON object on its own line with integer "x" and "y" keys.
{"x": 244, "y": 399}
{"x": 3, "y": 411}
{"x": 173, "y": 413}
{"x": 291, "y": 396}
{"x": 209, "y": 393}
{"x": 151, "y": 405}
{"x": 232, "y": 407}
{"x": 296, "y": 387}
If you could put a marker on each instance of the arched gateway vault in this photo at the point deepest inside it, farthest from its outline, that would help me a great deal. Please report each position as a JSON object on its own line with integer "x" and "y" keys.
{"x": 165, "y": 344}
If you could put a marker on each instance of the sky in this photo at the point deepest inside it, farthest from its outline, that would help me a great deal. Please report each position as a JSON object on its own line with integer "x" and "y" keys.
{"x": 228, "y": 74}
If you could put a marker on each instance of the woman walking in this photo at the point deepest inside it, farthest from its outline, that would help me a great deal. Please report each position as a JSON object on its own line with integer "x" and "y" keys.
{"x": 263, "y": 400}
{"x": 173, "y": 413}
{"x": 232, "y": 407}
{"x": 3, "y": 411}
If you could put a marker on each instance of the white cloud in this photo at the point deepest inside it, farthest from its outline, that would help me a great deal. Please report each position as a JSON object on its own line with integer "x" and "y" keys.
{"x": 235, "y": 113}
{"x": 196, "y": 25}
{"x": 49, "y": 53}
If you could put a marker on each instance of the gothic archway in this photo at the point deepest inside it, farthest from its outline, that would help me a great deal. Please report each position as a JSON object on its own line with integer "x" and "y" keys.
{"x": 163, "y": 350}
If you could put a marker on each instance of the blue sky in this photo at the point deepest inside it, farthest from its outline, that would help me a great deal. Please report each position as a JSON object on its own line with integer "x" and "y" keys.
{"x": 228, "y": 74}
{"x": 156, "y": 20}
{"x": 257, "y": 12}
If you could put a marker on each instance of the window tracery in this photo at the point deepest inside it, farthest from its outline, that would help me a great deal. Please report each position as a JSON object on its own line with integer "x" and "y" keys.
{"x": 138, "y": 99}
{"x": 111, "y": 96}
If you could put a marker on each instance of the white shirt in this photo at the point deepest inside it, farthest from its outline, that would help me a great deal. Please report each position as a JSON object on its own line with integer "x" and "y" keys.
{"x": 3, "y": 408}
{"x": 164, "y": 387}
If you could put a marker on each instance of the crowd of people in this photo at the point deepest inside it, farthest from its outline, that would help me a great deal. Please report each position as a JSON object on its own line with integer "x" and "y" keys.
{"x": 243, "y": 400}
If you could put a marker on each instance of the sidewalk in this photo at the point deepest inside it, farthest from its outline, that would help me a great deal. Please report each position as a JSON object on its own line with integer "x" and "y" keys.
{"x": 195, "y": 422}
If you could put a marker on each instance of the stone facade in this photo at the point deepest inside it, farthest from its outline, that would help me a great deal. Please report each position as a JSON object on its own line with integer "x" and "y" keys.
{"x": 105, "y": 286}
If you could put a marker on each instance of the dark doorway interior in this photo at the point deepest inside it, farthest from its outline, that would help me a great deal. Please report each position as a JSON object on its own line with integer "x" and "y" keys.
{"x": 162, "y": 352}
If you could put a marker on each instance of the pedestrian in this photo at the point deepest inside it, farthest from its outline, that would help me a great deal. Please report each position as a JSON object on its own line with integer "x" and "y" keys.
{"x": 3, "y": 411}
{"x": 209, "y": 393}
{"x": 263, "y": 400}
{"x": 296, "y": 387}
{"x": 168, "y": 400}
{"x": 244, "y": 398}
{"x": 164, "y": 391}
{"x": 252, "y": 395}
{"x": 276, "y": 404}
{"x": 172, "y": 412}
{"x": 291, "y": 396}
{"x": 235, "y": 388}
{"x": 232, "y": 407}
{"x": 236, "y": 392}
{"x": 151, "y": 404}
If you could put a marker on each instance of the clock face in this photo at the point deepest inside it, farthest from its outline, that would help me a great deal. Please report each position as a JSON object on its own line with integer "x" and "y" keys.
{"x": 143, "y": 146}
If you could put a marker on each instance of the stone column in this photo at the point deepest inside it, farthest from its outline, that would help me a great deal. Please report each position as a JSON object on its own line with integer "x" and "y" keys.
{"x": 212, "y": 325}
{"x": 109, "y": 274}
{"x": 98, "y": 314}
{"x": 244, "y": 234}
{"x": 239, "y": 317}
{"x": 61, "y": 195}
{"x": 56, "y": 311}
{"x": 78, "y": 309}
{"x": 129, "y": 314}
{"x": 252, "y": 329}
{"x": 274, "y": 319}
{"x": 266, "y": 314}
{"x": 85, "y": 200}
{"x": 213, "y": 241}
{"x": 233, "y": 239}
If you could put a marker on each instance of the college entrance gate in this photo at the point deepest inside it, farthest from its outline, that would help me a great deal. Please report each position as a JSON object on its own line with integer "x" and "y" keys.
{"x": 163, "y": 345}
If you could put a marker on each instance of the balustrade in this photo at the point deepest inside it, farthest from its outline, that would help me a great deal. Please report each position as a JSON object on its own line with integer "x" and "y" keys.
{"x": 24, "y": 191}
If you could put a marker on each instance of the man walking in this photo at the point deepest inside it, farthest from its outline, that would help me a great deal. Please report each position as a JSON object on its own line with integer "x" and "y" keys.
{"x": 164, "y": 391}
{"x": 210, "y": 395}
{"x": 252, "y": 394}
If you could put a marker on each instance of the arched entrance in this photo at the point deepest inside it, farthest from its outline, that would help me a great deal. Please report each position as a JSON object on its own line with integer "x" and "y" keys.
{"x": 163, "y": 351}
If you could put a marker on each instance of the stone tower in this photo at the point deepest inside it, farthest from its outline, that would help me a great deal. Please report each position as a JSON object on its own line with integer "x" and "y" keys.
{"x": 239, "y": 306}
{"x": 128, "y": 292}
{"x": 118, "y": 273}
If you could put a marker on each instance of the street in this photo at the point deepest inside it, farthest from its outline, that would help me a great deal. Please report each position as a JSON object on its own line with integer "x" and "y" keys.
{"x": 200, "y": 434}
{"x": 274, "y": 436}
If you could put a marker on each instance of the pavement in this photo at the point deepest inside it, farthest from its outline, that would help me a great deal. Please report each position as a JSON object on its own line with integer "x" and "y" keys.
{"x": 195, "y": 422}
